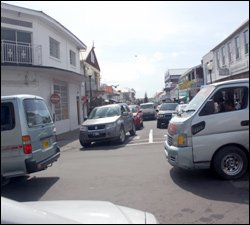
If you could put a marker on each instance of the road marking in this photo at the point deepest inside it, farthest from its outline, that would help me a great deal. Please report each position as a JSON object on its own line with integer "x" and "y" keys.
{"x": 150, "y": 140}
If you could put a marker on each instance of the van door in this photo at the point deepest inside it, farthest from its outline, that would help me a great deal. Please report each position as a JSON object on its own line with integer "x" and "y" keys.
{"x": 218, "y": 124}
{"x": 41, "y": 129}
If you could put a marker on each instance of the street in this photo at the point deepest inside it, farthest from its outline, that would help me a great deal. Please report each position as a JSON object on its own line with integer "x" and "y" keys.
{"x": 137, "y": 175}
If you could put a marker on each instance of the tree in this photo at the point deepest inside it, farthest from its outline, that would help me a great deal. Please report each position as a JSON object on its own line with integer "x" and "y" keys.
{"x": 145, "y": 98}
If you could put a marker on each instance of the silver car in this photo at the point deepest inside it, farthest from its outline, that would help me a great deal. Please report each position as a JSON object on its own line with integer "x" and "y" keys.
{"x": 109, "y": 122}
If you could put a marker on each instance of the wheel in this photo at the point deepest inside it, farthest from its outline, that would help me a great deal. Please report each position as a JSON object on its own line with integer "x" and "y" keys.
{"x": 85, "y": 144}
{"x": 230, "y": 162}
{"x": 122, "y": 136}
{"x": 158, "y": 124}
{"x": 133, "y": 130}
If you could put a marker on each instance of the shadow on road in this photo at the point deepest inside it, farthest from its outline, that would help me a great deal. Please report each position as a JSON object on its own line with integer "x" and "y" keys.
{"x": 108, "y": 145}
{"x": 27, "y": 188}
{"x": 204, "y": 183}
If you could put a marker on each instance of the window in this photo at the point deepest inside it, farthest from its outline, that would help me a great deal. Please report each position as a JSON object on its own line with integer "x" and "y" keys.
{"x": 225, "y": 100}
{"x": 37, "y": 112}
{"x": 92, "y": 57}
{"x": 7, "y": 116}
{"x": 54, "y": 48}
{"x": 229, "y": 45}
{"x": 72, "y": 58}
{"x": 246, "y": 41}
{"x": 218, "y": 58}
{"x": 237, "y": 47}
{"x": 61, "y": 108}
{"x": 223, "y": 55}
{"x": 16, "y": 46}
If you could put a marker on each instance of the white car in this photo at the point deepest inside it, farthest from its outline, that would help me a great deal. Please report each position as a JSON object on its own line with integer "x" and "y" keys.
{"x": 71, "y": 212}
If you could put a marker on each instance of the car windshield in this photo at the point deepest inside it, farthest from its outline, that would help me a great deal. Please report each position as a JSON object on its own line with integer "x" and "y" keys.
{"x": 147, "y": 106}
{"x": 199, "y": 98}
{"x": 168, "y": 106}
{"x": 102, "y": 112}
{"x": 133, "y": 109}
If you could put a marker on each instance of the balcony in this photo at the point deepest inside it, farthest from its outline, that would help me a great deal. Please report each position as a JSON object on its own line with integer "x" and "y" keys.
{"x": 21, "y": 53}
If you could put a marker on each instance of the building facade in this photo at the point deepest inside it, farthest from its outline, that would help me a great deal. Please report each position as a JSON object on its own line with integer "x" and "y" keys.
{"x": 229, "y": 59}
{"x": 40, "y": 56}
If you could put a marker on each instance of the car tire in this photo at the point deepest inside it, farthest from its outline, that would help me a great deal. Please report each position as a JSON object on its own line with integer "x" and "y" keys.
{"x": 85, "y": 144}
{"x": 230, "y": 163}
{"x": 158, "y": 124}
{"x": 133, "y": 130}
{"x": 122, "y": 135}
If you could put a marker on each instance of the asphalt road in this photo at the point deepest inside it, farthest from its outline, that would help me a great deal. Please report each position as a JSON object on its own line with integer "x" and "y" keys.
{"x": 136, "y": 175}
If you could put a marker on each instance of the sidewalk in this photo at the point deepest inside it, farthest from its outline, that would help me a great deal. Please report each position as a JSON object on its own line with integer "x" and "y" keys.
{"x": 65, "y": 138}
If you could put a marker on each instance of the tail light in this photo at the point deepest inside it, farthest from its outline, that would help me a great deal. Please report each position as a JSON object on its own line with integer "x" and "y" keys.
{"x": 27, "y": 147}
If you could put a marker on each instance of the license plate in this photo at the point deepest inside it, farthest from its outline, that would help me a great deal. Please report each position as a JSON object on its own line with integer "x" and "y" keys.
{"x": 45, "y": 143}
{"x": 96, "y": 134}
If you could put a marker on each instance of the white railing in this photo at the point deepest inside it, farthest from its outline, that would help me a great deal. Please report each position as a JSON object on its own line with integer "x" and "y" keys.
{"x": 21, "y": 53}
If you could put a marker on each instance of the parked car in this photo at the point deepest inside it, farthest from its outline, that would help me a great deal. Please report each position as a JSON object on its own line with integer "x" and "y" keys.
{"x": 137, "y": 113}
{"x": 28, "y": 136}
{"x": 108, "y": 122}
{"x": 148, "y": 111}
{"x": 71, "y": 212}
{"x": 164, "y": 114}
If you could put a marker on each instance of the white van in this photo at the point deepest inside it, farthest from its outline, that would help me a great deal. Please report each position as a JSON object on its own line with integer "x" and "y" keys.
{"x": 28, "y": 142}
{"x": 213, "y": 130}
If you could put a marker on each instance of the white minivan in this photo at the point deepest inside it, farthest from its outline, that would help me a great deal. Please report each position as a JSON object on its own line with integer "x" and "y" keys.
{"x": 28, "y": 142}
{"x": 213, "y": 130}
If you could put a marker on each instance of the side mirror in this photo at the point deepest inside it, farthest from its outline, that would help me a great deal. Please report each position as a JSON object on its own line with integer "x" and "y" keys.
{"x": 125, "y": 113}
{"x": 85, "y": 118}
{"x": 157, "y": 110}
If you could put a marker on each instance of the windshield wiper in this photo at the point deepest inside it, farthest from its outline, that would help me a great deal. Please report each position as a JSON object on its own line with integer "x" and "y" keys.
{"x": 189, "y": 110}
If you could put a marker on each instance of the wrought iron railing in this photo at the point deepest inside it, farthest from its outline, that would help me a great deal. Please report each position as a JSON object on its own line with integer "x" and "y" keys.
{"x": 21, "y": 53}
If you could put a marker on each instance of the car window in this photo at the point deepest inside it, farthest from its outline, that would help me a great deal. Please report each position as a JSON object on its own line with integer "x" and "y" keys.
{"x": 37, "y": 112}
{"x": 102, "y": 112}
{"x": 168, "y": 106}
{"x": 147, "y": 106}
{"x": 7, "y": 116}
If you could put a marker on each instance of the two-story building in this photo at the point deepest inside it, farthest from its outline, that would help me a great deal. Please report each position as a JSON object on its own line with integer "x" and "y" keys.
{"x": 230, "y": 58}
{"x": 40, "y": 56}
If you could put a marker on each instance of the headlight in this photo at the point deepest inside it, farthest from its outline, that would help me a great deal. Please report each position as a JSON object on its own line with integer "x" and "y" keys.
{"x": 110, "y": 125}
{"x": 83, "y": 128}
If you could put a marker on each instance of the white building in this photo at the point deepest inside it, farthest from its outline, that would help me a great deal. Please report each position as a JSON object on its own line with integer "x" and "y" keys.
{"x": 230, "y": 58}
{"x": 40, "y": 56}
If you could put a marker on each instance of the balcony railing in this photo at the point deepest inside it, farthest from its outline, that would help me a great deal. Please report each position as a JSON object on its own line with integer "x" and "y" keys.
{"x": 22, "y": 53}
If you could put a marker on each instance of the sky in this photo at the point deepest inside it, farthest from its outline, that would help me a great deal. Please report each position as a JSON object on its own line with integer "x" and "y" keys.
{"x": 137, "y": 42}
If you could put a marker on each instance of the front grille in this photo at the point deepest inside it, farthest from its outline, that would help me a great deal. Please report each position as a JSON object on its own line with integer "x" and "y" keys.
{"x": 170, "y": 140}
{"x": 96, "y": 127}
{"x": 99, "y": 135}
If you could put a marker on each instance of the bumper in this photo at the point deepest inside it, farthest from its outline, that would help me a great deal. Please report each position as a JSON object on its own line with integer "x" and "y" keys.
{"x": 33, "y": 166}
{"x": 179, "y": 157}
{"x": 163, "y": 121}
{"x": 99, "y": 135}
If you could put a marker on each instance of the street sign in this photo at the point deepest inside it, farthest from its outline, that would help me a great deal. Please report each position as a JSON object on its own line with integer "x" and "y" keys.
{"x": 54, "y": 98}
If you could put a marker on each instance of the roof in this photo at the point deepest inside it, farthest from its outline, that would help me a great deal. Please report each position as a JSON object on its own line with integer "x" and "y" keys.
{"x": 176, "y": 71}
{"x": 242, "y": 26}
{"x": 42, "y": 16}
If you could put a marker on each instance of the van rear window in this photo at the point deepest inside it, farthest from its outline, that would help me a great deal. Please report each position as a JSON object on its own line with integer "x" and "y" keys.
{"x": 7, "y": 116}
{"x": 37, "y": 112}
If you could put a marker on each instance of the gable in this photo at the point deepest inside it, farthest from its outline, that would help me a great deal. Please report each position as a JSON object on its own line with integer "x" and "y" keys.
{"x": 92, "y": 60}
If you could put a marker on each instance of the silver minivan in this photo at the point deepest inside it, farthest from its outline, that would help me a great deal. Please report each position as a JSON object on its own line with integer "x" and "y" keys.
{"x": 213, "y": 130}
{"x": 28, "y": 142}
